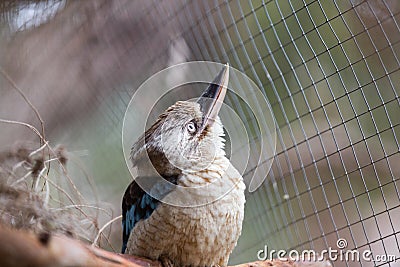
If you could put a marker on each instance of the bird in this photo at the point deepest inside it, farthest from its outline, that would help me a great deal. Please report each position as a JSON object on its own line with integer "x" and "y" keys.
{"x": 185, "y": 147}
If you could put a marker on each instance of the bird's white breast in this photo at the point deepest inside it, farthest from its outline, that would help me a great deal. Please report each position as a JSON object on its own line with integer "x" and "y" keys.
{"x": 198, "y": 236}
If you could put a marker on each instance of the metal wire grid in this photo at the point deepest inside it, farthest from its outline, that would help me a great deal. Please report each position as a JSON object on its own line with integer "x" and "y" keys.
{"x": 329, "y": 70}
{"x": 301, "y": 207}
{"x": 320, "y": 181}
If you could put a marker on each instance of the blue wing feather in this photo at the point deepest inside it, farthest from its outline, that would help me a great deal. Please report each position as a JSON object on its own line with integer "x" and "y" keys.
{"x": 138, "y": 205}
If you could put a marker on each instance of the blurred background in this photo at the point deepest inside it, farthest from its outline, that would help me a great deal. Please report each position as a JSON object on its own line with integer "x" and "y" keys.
{"x": 330, "y": 70}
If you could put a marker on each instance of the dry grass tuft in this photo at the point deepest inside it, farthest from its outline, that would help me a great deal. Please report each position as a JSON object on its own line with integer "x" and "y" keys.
{"x": 29, "y": 198}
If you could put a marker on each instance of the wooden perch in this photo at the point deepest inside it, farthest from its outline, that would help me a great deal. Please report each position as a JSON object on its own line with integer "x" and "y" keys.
{"x": 19, "y": 248}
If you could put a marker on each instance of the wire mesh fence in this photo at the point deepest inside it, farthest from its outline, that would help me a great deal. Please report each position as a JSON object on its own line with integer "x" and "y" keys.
{"x": 330, "y": 70}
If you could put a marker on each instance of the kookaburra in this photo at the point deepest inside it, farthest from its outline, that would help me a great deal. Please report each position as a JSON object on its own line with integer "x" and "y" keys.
{"x": 185, "y": 146}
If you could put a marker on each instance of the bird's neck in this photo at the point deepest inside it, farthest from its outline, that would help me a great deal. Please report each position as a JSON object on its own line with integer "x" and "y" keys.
{"x": 212, "y": 173}
{"x": 208, "y": 185}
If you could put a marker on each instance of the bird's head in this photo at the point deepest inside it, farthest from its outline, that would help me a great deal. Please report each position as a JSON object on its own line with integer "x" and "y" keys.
{"x": 188, "y": 135}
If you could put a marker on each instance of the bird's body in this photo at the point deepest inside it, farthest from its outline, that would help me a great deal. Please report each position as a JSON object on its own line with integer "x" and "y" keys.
{"x": 205, "y": 232}
{"x": 193, "y": 236}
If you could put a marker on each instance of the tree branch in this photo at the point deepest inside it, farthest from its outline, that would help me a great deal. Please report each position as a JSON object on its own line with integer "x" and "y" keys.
{"x": 20, "y": 248}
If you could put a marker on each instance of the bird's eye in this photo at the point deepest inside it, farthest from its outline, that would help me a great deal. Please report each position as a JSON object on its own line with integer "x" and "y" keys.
{"x": 191, "y": 127}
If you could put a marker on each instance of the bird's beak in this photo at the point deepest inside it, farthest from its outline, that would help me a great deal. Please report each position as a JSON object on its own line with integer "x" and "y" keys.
{"x": 213, "y": 97}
